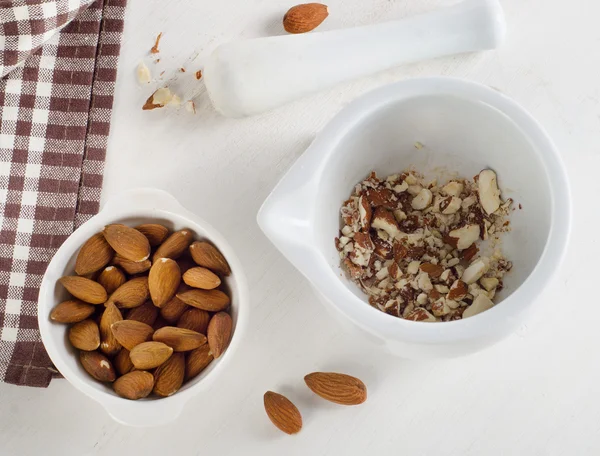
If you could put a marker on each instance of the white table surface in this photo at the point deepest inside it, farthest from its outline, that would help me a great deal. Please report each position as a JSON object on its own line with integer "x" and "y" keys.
{"x": 536, "y": 393}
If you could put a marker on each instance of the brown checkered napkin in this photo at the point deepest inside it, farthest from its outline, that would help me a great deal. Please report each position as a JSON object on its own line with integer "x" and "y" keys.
{"x": 55, "y": 111}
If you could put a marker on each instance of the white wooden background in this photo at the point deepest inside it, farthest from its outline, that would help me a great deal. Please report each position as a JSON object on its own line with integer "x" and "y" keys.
{"x": 536, "y": 393}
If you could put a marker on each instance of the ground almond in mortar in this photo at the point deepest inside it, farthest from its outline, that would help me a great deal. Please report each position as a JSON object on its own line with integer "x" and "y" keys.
{"x": 413, "y": 247}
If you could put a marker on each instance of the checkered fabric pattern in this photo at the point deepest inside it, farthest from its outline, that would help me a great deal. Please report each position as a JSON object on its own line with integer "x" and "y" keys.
{"x": 55, "y": 108}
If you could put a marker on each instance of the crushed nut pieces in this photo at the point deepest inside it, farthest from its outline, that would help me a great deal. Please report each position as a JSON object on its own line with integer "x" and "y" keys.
{"x": 413, "y": 247}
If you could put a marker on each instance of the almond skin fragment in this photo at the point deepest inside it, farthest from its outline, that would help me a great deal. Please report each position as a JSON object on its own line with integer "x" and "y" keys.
{"x": 305, "y": 17}
{"x": 93, "y": 255}
{"x": 85, "y": 289}
{"x": 282, "y": 413}
{"x": 127, "y": 242}
{"x": 339, "y": 388}
{"x": 71, "y": 311}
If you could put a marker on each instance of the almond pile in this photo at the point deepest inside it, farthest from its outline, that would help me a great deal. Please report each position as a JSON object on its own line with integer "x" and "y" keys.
{"x": 413, "y": 247}
{"x": 147, "y": 310}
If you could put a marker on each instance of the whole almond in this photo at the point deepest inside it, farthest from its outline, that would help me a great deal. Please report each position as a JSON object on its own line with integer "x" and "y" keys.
{"x": 194, "y": 319}
{"x": 149, "y": 355}
{"x": 71, "y": 311}
{"x": 179, "y": 339}
{"x": 134, "y": 385}
{"x": 219, "y": 333}
{"x": 130, "y": 333}
{"x": 155, "y": 233}
{"x": 211, "y": 300}
{"x": 207, "y": 255}
{"x": 108, "y": 343}
{"x": 85, "y": 289}
{"x": 98, "y": 366}
{"x": 163, "y": 281}
{"x": 85, "y": 335}
{"x": 111, "y": 278}
{"x": 132, "y": 293}
{"x": 282, "y": 413}
{"x": 122, "y": 362}
{"x": 172, "y": 311}
{"x": 201, "y": 278}
{"x": 305, "y": 17}
{"x": 131, "y": 267}
{"x": 94, "y": 254}
{"x": 339, "y": 388}
{"x": 127, "y": 242}
{"x": 146, "y": 313}
{"x": 197, "y": 360}
{"x": 174, "y": 245}
{"x": 168, "y": 378}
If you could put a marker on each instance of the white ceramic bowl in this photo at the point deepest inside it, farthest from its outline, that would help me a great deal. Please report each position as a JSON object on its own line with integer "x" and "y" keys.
{"x": 464, "y": 127}
{"x": 133, "y": 208}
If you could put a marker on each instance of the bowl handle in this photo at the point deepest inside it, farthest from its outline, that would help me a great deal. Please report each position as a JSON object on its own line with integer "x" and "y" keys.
{"x": 143, "y": 198}
{"x": 145, "y": 413}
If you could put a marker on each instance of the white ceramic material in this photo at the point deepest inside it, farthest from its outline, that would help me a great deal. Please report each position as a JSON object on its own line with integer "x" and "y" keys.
{"x": 133, "y": 208}
{"x": 252, "y": 76}
{"x": 464, "y": 127}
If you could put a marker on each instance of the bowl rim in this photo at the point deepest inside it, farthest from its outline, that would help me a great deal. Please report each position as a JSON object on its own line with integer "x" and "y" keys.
{"x": 150, "y": 204}
{"x": 337, "y": 294}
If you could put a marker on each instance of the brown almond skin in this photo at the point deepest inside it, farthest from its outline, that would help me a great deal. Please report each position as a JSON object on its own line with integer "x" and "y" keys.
{"x": 339, "y": 388}
{"x": 179, "y": 339}
{"x": 127, "y": 242}
{"x": 210, "y": 300}
{"x": 168, "y": 378}
{"x": 131, "y": 267}
{"x": 197, "y": 360}
{"x": 305, "y": 17}
{"x": 111, "y": 278}
{"x": 155, "y": 233}
{"x": 207, "y": 255}
{"x": 98, "y": 366}
{"x": 219, "y": 333}
{"x": 130, "y": 333}
{"x": 71, "y": 311}
{"x": 282, "y": 413}
{"x": 134, "y": 385}
{"x": 85, "y": 335}
{"x": 94, "y": 254}
{"x": 131, "y": 294}
{"x": 146, "y": 313}
{"x": 160, "y": 322}
{"x": 173, "y": 310}
{"x": 194, "y": 319}
{"x": 200, "y": 277}
{"x": 122, "y": 362}
{"x": 174, "y": 245}
{"x": 163, "y": 281}
{"x": 108, "y": 343}
{"x": 85, "y": 289}
{"x": 149, "y": 355}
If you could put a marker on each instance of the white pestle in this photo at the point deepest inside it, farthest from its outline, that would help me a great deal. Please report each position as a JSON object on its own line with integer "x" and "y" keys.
{"x": 252, "y": 76}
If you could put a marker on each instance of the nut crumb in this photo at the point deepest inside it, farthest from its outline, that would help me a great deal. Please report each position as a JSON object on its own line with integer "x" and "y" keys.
{"x": 182, "y": 69}
{"x": 155, "y": 49}
{"x": 412, "y": 245}
{"x": 158, "y": 99}
{"x": 190, "y": 106}
{"x": 198, "y": 74}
